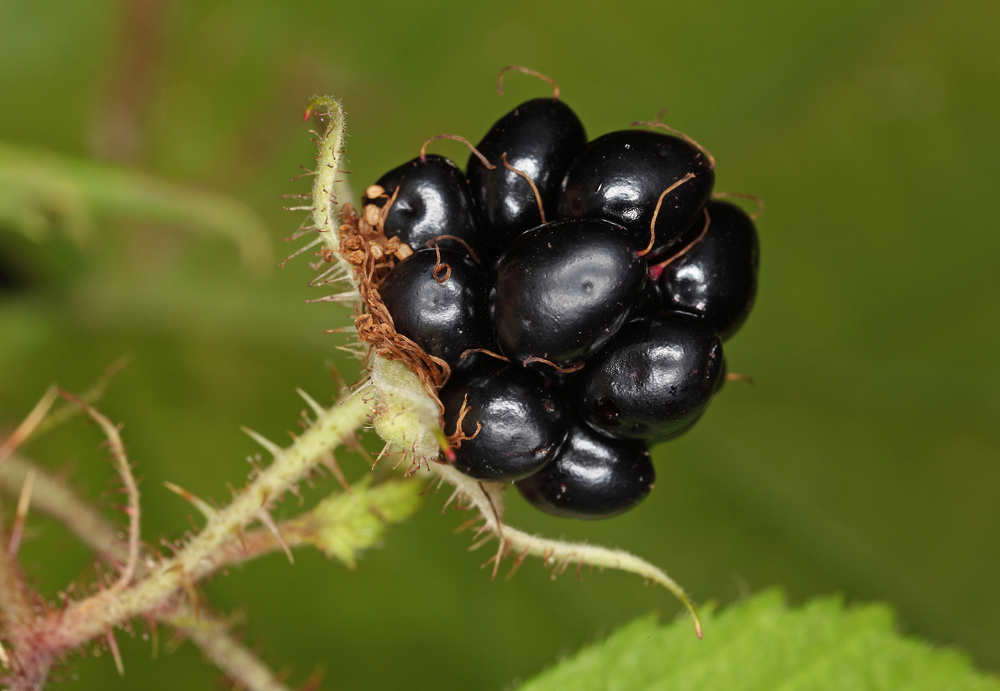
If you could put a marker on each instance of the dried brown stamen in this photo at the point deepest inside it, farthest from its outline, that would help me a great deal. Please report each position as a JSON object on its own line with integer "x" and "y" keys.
{"x": 375, "y": 326}
{"x": 439, "y": 265}
{"x": 456, "y": 438}
{"x": 736, "y": 376}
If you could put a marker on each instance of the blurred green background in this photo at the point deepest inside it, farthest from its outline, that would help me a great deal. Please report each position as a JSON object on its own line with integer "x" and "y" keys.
{"x": 862, "y": 461}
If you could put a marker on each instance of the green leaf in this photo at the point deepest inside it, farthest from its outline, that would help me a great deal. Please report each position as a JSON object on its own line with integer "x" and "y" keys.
{"x": 41, "y": 192}
{"x": 343, "y": 525}
{"x": 762, "y": 644}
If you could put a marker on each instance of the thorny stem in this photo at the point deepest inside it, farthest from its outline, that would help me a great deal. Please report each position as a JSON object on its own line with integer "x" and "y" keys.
{"x": 25, "y": 429}
{"x": 231, "y": 656}
{"x": 55, "y": 499}
{"x": 132, "y": 489}
{"x": 487, "y": 499}
{"x": 57, "y": 416}
{"x": 84, "y": 620}
{"x": 28, "y": 668}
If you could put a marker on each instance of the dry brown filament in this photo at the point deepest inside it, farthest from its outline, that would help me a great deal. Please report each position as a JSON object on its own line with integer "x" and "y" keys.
{"x": 498, "y": 356}
{"x": 656, "y": 212}
{"x": 533, "y": 73}
{"x": 575, "y": 367}
{"x": 385, "y": 209}
{"x": 538, "y": 197}
{"x": 739, "y": 195}
{"x": 423, "y": 149}
{"x": 705, "y": 152}
{"x": 438, "y": 265}
{"x": 435, "y": 240}
{"x": 456, "y": 438}
{"x": 701, "y": 236}
{"x": 736, "y": 376}
{"x": 374, "y": 324}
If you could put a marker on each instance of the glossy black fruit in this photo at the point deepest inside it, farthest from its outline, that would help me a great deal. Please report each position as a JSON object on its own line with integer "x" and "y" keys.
{"x": 540, "y": 138}
{"x": 717, "y": 278}
{"x": 444, "y": 317}
{"x": 433, "y": 200}
{"x": 523, "y": 422}
{"x": 564, "y": 289}
{"x": 621, "y": 175}
{"x": 591, "y": 477}
{"x": 653, "y": 380}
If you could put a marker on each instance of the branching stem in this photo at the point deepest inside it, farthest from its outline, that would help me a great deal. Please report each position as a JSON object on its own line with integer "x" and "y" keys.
{"x": 157, "y": 593}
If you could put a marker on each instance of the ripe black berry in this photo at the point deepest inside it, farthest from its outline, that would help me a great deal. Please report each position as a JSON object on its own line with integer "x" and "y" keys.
{"x": 653, "y": 380}
{"x": 433, "y": 199}
{"x": 591, "y": 477}
{"x": 540, "y": 138}
{"x": 439, "y": 303}
{"x": 717, "y": 278}
{"x": 621, "y": 175}
{"x": 564, "y": 289}
{"x": 523, "y": 422}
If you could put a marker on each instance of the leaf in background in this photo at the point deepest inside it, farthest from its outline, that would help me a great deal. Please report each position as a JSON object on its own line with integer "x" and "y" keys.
{"x": 762, "y": 644}
{"x": 40, "y": 191}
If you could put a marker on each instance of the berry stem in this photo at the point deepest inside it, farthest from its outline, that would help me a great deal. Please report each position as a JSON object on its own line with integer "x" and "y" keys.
{"x": 488, "y": 500}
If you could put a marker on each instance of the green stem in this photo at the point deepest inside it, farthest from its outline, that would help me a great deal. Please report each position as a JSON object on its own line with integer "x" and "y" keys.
{"x": 87, "y": 619}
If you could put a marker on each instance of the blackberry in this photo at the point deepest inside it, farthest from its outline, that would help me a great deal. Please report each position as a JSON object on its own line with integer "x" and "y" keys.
{"x": 620, "y": 176}
{"x": 437, "y": 299}
{"x": 429, "y": 198}
{"x": 717, "y": 278}
{"x": 608, "y": 282}
{"x": 653, "y": 380}
{"x": 512, "y": 423}
{"x": 591, "y": 477}
{"x": 564, "y": 289}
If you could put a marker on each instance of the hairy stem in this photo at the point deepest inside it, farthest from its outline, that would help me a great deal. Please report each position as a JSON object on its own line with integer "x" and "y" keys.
{"x": 229, "y": 655}
{"x": 26, "y": 667}
{"x": 55, "y": 499}
{"x": 117, "y": 449}
{"x": 487, "y": 499}
{"x": 157, "y": 592}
